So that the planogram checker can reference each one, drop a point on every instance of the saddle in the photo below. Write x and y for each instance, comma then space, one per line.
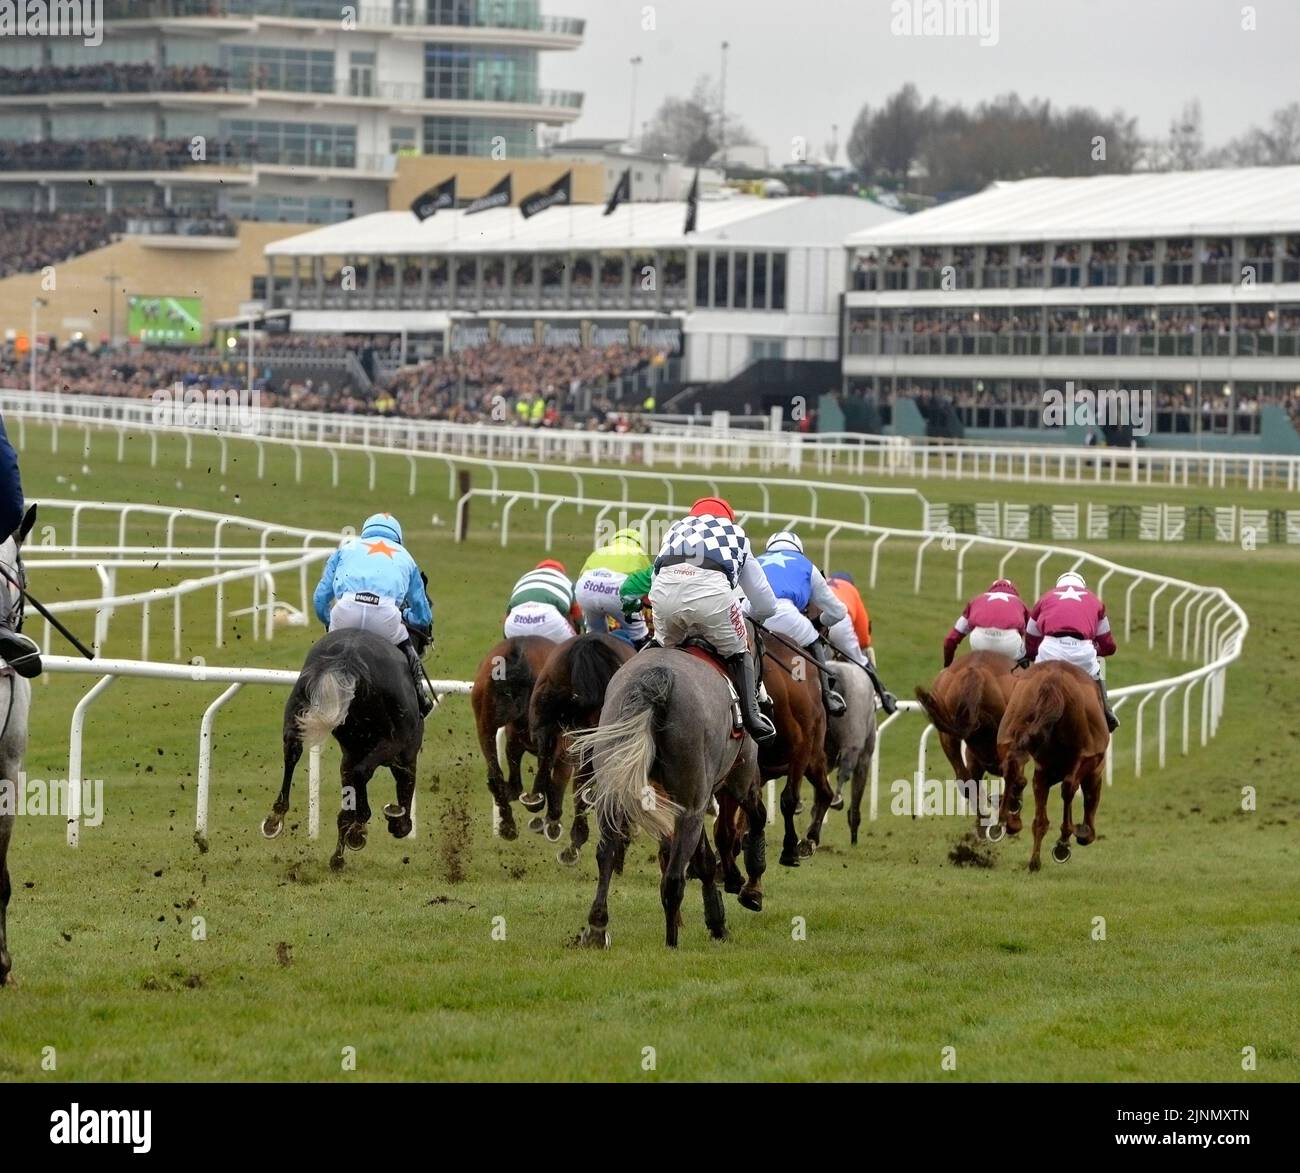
704, 651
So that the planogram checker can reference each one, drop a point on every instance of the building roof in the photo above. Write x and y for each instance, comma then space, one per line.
1104, 207
742, 220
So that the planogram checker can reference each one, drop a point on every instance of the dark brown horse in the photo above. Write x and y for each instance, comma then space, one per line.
965, 704
503, 687
1055, 717
568, 695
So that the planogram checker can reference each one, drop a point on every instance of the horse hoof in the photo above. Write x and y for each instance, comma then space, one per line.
552, 832
788, 861
752, 900
996, 833
272, 827
356, 837
532, 802
336, 862
732, 885
1082, 839
807, 848
1035, 863
508, 831
1061, 853
393, 811
568, 857
837, 803
595, 938
1014, 808
535, 824
399, 828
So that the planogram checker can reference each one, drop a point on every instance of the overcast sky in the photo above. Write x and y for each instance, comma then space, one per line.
797, 66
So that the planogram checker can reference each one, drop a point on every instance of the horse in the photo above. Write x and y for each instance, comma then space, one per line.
357, 686
664, 746
965, 704
568, 695
851, 738
17, 702
499, 698
1055, 717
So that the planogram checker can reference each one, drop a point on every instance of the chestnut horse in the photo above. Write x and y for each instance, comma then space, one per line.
502, 689
965, 704
1055, 717
568, 695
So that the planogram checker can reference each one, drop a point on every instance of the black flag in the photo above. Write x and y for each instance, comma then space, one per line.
499, 197
438, 197
560, 192
622, 193
692, 204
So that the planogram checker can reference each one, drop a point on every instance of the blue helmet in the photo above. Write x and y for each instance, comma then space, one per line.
382, 525
844, 576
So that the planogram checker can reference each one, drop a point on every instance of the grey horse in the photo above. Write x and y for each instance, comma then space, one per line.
851, 738
663, 747
15, 705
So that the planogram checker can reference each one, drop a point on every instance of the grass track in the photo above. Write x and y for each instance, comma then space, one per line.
904, 955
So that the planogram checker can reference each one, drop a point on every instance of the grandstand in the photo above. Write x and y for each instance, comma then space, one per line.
960, 318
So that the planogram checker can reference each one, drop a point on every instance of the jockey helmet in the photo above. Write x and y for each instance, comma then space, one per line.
784, 538
382, 525
714, 506
844, 576
1006, 586
630, 536
1072, 578
550, 564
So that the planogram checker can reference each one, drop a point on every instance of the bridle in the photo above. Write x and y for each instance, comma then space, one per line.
15, 576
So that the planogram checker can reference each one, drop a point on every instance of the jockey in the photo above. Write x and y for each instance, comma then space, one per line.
704, 558
796, 582
634, 597
374, 584
851, 636
542, 604
600, 584
1069, 623
995, 621
20, 652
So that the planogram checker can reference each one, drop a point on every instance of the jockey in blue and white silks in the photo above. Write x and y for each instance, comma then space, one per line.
20, 652
796, 582
374, 584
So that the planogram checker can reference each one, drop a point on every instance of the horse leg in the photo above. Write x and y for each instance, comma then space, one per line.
273, 824
1061, 851
487, 743
680, 851
751, 895
860, 769
1092, 785
724, 834
579, 832
354, 812
8, 791
790, 800
1013, 786
558, 774
399, 816
1040, 817
608, 856
715, 914
822, 795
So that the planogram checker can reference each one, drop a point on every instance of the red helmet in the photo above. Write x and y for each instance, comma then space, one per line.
550, 564
713, 505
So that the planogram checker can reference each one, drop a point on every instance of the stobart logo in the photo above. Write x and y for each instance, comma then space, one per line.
53, 18
945, 18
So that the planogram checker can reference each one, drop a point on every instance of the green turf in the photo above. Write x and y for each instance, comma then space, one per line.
904, 955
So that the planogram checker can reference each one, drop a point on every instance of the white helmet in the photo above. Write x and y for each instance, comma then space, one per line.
1072, 578
784, 537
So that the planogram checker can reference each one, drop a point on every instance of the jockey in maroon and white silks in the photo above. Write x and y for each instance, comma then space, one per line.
996, 621
1069, 623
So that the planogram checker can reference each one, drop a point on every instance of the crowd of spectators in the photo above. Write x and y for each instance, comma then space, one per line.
33, 240
111, 78
124, 153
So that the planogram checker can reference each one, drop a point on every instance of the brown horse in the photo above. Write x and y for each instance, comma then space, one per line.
965, 704
568, 695
503, 686
1055, 717
797, 751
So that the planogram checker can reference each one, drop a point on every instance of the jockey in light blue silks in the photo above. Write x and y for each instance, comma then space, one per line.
374, 584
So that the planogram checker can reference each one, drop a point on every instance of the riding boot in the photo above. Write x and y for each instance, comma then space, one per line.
1112, 721
830, 698
646, 641
423, 698
20, 652
741, 669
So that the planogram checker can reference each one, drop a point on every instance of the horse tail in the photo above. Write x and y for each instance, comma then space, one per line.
592, 664
623, 752
961, 717
329, 690
511, 691
1048, 709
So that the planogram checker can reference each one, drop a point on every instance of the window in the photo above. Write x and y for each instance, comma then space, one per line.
476, 73
778, 281
759, 301
476, 136
401, 140
761, 348
702, 278
740, 281
288, 70
721, 280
